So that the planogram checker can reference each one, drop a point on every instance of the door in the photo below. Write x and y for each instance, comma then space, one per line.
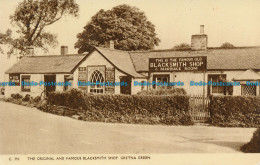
125, 89
50, 80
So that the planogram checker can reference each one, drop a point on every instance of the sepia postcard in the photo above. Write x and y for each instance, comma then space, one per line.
132, 82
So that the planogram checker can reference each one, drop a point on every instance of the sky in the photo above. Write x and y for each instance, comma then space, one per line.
234, 21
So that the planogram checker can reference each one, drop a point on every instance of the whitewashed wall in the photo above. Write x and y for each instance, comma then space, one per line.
35, 90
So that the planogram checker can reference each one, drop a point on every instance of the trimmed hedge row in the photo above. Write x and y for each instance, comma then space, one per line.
235, 111
172, 91
170, 110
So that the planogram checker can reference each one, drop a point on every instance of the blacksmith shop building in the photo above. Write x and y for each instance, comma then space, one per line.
110, 65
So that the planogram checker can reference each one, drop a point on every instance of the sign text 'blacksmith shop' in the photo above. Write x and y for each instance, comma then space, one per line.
178, 64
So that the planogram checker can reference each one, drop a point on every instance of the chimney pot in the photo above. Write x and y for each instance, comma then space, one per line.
111, 44
199, 41
30, 51
64, 50
201, 29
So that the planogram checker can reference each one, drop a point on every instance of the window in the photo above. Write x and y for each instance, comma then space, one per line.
161, 79
217, 89
248, 90
96, 79
15, 78
26, 85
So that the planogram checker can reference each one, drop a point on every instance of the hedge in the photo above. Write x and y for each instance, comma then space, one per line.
254, 145
235, 111
169, 110
172, 91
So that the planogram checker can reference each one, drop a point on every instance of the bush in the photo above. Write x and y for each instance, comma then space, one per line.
26, 98
145, 109
16, 96
37, 99
173, 91
73, 98
235, 111
254, 145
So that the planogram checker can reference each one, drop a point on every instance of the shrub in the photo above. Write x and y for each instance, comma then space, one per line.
145, 109
26, 98
173, 91
16, 96
235, 111
254, 145
73, 98
37, 99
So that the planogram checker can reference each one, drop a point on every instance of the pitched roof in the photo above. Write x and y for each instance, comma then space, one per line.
121, 60
217, 59
248, 75
46, 64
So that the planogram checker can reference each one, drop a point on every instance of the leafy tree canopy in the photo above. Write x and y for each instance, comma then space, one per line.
182, 46
227, 45
33, 16
127, 26
5, 38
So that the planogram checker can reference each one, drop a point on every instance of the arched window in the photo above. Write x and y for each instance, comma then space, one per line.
97, 78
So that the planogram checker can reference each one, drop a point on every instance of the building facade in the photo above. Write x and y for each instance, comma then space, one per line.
125, 68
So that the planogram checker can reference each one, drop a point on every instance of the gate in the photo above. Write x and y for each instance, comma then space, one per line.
199, 108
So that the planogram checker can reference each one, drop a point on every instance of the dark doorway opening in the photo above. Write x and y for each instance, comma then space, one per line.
50, 87
125, 89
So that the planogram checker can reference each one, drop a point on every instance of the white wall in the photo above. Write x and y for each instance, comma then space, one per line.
186, 77
35, 90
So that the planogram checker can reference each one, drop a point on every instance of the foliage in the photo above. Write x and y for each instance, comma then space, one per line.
5, 38
182, 46
33, 16
170, 110
26, 98
37, 99
227, 45
16, 96
254, 145
173, 91
127, 26
235, 111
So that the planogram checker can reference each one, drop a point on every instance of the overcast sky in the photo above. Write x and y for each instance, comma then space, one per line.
234, 21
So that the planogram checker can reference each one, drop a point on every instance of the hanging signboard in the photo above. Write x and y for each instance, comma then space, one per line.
110, 77
178, 64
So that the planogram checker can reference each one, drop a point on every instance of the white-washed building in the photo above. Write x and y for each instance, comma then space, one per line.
110, 65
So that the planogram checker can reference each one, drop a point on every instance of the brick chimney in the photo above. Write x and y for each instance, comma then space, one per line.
110, 44
30, 51
199, 41
64, 50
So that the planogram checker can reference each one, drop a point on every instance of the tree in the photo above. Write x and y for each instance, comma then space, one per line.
33, 16
182, 46
227, 45
127, 26
5, 38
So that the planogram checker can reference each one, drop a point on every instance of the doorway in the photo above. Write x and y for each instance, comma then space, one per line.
50, 87
125, 89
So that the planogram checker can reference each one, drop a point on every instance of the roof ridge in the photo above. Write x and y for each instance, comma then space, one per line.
56, 55
174, 50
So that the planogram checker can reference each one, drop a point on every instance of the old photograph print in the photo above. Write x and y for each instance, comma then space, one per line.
130, 78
